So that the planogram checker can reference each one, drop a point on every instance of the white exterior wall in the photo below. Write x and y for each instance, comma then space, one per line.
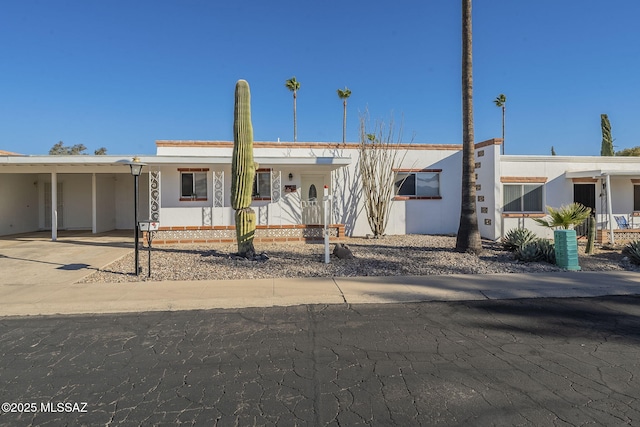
209, 150
75, 198
410, 216
430, 216
440, 216
174, 212
124, 199
170, 186
76, 201
558, 189
487, 190
18, 203
105, 202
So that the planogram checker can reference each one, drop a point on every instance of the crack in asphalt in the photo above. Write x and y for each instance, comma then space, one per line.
516, 362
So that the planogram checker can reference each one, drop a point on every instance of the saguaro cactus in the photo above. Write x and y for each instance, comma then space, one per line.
243, 171
591, 234
607, 142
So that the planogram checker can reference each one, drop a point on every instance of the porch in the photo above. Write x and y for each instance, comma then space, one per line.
618, 216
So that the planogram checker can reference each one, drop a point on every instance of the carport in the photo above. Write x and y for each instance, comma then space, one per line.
67, 192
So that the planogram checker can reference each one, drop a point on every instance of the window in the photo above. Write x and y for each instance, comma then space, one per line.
313, 193
262, 185
636, 197
193, 186
418, 184
522, 197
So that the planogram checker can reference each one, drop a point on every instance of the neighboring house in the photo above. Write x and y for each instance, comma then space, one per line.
186, 188
513, 190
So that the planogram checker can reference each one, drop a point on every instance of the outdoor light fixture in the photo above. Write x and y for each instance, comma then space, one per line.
136, 169
136, 166
290, 176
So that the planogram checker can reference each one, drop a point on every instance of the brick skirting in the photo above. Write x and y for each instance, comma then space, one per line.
227, 234
620, 235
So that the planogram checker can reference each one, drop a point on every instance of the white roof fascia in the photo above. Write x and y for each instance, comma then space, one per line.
600, 173
584, 174
326, 162
330, 162
571, 159
82, 160
62, 160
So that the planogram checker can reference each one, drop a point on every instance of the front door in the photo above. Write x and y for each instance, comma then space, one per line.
584, 194
311, 195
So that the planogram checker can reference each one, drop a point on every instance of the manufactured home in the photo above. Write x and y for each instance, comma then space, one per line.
186, 185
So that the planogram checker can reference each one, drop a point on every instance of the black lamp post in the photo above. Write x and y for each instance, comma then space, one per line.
136, 169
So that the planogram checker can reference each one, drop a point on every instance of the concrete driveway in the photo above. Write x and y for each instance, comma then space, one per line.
33, 259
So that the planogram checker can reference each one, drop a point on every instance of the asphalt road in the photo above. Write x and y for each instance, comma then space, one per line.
512, 362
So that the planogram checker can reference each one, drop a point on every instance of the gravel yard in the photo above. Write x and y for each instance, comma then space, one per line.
390, 256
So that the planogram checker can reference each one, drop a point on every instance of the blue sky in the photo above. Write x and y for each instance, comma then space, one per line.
123, 74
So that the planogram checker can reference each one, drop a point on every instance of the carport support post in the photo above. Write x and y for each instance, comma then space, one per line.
54, 206
325, 205
135, 218
94, 219
611, 238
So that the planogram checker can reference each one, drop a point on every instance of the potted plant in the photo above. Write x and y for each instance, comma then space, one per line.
563, 220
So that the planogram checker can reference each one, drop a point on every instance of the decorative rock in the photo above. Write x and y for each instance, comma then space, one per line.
405, 255
342, 251
257, 257
260, 257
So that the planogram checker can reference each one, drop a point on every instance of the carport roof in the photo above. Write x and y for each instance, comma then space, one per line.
327, 163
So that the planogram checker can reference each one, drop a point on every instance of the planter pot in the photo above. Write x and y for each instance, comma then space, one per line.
566, 245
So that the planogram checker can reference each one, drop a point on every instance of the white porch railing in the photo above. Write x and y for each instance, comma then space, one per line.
311, 212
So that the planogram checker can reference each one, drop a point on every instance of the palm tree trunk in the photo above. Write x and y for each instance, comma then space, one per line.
344, 122
468, 239
503, 110
295, 118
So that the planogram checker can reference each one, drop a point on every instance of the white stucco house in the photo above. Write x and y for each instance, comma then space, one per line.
185, 186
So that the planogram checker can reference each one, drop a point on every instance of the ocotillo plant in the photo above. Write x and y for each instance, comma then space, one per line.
243, 171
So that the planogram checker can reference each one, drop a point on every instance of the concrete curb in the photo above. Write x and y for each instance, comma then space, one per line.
90, 298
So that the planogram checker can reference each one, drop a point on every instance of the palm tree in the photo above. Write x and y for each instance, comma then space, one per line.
468, 239
293, 85
344, 94
501, 101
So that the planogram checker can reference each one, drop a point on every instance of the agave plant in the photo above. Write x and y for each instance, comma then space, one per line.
528, 252
547, 250
632, 250
566, 217
516, 238
536, 250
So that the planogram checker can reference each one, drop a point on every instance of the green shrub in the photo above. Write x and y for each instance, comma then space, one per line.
632, 250
517, 238
536, 250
